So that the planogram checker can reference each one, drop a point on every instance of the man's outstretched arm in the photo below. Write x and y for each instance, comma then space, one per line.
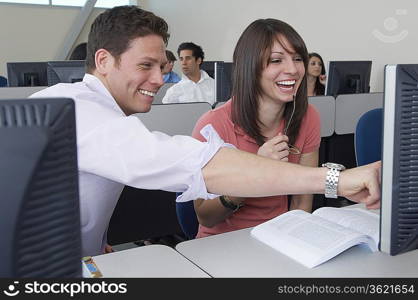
242, 174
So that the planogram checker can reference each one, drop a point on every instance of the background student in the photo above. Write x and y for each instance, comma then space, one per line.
195, 85
316, 75
79, 52
169, 76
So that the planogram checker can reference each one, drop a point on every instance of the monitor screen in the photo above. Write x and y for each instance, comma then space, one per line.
222, 73
348, 77
27, 74
67, 71
209, 67
223, 81
399, 201
39, 207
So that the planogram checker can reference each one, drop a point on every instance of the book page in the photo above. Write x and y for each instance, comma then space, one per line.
307, 238
358, 219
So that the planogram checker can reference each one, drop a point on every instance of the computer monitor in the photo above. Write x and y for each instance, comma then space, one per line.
348, 77
67, 71
222, 73
209, 67
223, 81
399, 201
39, 207
27, 74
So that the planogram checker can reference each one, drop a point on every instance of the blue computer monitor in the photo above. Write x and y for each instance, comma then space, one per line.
67, 71
399, 203
27, 74
348, 77
39, 207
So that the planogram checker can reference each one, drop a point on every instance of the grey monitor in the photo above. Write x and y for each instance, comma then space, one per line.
27, 74
399, 204
68, 71
39, 207
348, 77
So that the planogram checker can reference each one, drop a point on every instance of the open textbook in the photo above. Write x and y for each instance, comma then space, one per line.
312, 239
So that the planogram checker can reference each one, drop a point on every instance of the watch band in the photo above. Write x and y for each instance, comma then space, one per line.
331, 181
226, 202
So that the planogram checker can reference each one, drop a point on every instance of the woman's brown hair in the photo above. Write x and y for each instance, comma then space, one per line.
250, 58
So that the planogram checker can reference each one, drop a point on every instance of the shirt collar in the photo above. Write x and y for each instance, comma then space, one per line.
203, 76
95, 84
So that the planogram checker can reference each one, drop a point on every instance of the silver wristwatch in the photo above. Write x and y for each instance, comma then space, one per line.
331, 181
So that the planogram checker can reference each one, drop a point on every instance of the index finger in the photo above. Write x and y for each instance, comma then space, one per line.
278, 139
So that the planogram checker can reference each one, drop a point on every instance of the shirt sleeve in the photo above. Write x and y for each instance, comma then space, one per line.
148, 160
169, 96
312, 127
214, 120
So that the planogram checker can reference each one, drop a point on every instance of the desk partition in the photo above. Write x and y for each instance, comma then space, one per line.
349, 109
177, 118
19, 92
326, 108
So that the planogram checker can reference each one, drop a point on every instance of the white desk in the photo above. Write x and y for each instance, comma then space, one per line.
237, 254
147, 261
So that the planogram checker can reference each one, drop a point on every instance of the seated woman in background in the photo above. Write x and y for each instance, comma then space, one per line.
268, 114
316, 75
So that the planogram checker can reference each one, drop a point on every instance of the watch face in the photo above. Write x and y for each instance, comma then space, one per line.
334, 166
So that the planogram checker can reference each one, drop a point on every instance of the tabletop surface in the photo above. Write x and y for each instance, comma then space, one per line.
147, 261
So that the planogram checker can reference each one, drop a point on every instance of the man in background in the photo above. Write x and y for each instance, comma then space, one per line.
195, 85
169, 75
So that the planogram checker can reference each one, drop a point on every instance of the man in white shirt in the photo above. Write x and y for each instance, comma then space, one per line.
124, 65
195, 84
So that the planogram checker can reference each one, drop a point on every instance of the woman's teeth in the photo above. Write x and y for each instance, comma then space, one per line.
286, 82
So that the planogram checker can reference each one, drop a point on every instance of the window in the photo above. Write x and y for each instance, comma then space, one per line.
99, 3
45, 2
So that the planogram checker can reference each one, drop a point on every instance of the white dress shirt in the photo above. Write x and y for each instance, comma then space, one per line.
187, 90
115, 150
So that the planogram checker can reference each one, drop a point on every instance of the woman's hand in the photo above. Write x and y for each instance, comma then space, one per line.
323, 79
276, 148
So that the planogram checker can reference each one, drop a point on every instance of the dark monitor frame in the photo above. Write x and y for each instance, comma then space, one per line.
27, 74
39, 207
66, 71
348, 77
399, 182
221, 72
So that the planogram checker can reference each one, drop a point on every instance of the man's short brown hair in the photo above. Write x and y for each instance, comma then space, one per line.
115, 28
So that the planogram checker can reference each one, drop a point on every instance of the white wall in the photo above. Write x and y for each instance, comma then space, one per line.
338, 30
36, 33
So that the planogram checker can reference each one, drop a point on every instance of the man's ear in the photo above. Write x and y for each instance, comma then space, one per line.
103, 60
199, 61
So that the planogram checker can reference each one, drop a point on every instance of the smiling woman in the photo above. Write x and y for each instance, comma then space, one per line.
269, 115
